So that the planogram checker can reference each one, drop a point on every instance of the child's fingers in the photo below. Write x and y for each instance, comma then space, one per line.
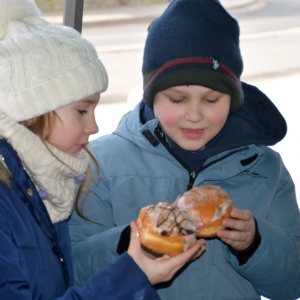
200, 250
234, 224
134, 238
241, 214
229, 235
176, 262
239, 224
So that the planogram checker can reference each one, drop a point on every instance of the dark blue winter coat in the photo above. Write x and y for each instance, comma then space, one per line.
35, 255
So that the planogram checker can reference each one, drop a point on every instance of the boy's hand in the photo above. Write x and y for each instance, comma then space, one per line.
242, 229
163, 268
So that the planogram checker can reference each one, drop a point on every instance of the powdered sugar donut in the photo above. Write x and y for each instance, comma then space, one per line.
208, 204
166, 229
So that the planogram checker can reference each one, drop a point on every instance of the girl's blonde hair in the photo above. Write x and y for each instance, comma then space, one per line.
42, 126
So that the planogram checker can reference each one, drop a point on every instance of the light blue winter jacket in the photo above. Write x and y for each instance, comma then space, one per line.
137, 170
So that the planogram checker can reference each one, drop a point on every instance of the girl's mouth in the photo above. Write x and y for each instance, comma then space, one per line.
80, 146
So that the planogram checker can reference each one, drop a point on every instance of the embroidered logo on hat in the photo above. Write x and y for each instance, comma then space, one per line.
215, 63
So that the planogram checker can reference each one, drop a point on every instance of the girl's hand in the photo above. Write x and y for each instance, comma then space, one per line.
163, 268
242, 229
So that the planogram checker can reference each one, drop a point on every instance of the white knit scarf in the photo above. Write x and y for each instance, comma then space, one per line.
53, 175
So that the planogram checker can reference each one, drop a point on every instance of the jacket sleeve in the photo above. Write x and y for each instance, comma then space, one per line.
94, 241
111, 284
278, 254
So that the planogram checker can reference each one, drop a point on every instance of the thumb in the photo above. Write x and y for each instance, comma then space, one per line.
177, 199
176, 262
135, 242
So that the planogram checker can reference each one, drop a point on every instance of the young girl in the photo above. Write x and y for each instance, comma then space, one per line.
198, 125
50, 84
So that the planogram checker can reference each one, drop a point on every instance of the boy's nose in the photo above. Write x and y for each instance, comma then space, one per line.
194, 114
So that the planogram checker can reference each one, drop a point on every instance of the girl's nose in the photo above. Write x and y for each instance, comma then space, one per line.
92, 128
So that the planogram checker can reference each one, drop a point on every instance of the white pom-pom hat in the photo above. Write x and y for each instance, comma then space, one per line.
43, 66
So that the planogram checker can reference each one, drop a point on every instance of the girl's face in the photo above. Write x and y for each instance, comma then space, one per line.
75, 123
191, 115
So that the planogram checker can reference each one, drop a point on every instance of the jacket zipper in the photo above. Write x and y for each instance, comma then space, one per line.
192, 174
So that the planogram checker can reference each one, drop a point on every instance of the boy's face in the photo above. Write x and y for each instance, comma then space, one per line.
191, 115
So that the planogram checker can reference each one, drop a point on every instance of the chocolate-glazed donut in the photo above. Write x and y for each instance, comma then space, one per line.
166, 229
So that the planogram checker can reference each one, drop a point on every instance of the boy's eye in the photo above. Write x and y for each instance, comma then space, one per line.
211, 100
82, 111
176, 100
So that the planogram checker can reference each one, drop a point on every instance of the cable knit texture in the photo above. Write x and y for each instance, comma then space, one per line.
55, 175
43, 66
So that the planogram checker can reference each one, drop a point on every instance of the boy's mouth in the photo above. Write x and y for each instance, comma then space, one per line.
192, 130
192, 133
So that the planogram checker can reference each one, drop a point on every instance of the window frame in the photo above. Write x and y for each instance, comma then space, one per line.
73, 14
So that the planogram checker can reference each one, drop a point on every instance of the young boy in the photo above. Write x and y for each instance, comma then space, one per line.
198, 125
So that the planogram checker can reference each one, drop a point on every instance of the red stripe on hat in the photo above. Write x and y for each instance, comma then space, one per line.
227, 70
191, 60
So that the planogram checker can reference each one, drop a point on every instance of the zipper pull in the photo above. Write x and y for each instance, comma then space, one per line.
193, 175
192, 180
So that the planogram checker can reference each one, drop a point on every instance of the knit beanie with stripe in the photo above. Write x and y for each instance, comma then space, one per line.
194, 42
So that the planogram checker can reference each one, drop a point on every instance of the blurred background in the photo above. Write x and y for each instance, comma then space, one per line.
58, 5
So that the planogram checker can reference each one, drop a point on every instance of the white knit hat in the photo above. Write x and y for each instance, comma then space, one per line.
43, 66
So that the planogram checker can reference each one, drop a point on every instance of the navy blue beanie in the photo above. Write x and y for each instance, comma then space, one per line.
194, 42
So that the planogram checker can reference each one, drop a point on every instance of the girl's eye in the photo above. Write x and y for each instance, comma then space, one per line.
82, 111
